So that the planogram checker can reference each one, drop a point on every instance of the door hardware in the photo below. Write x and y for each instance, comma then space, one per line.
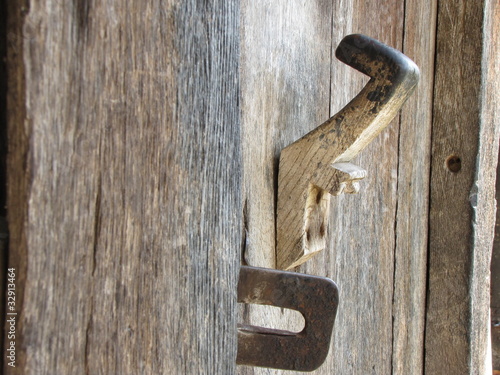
319, 164
315, 297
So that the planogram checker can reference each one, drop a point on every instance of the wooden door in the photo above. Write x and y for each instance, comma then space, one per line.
124, 186
143, 145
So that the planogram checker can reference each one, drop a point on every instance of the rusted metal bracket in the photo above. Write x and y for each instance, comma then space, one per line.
318, 164
315, 297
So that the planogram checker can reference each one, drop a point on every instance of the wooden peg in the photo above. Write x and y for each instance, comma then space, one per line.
318, 165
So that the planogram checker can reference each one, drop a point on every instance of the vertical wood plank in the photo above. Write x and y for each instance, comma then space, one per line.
464, 156
489, 135
410, 274
285, 79
364, 329
4, 233
124, 191
360, 255
17, 183
495, 286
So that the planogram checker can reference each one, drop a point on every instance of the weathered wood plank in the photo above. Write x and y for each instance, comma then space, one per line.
488, 154
410, 273
124, 202
495, 286
464, 156
285, 78
366, 276
3, 162
491, 115
17, 183
360, 255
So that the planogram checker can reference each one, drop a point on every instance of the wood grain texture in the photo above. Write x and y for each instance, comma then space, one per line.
489, 135
364, 269
4, 232
410, 264
464, 156
360, 255
491, 100
126, 208
17, 183
495, 286
124, 190
285, 88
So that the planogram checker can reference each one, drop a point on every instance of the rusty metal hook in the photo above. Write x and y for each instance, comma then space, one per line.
318, 164
311, 169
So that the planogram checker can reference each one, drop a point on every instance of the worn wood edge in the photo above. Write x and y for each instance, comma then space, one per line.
484, 212
4, 233
495, 285
18, 131
491, 101
410, 258
456, 268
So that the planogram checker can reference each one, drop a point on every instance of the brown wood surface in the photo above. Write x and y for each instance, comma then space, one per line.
464, 156
379, 238
124, 190
128, 136
4, 233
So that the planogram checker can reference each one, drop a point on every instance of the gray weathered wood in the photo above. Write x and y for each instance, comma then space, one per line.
126, 209
285, 79
410, 263
464, 157
491, 115
360, 255
364, 271
124, 188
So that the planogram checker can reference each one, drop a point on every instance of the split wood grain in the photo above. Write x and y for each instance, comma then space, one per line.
495, 285
413, 174
124, 192
285, 86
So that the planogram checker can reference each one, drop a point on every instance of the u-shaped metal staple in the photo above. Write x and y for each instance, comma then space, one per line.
315, 297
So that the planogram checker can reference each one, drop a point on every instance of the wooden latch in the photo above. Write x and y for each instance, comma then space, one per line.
319, 164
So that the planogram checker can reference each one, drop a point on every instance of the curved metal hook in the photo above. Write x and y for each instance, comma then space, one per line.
319, 162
